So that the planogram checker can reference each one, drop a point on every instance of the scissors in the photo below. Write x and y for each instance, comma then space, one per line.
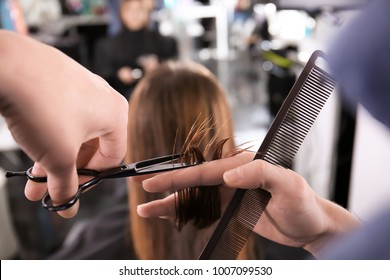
153, 165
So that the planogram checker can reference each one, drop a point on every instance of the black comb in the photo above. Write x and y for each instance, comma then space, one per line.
287, 132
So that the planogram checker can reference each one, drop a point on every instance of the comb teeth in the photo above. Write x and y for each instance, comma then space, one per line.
299, 118
287, 132
245, 218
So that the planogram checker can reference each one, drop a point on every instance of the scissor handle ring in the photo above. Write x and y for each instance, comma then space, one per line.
37, 179
48, 204
46, 200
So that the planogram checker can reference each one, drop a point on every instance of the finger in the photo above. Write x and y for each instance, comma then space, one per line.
158, 208
140, 178
62, 187
165, 208
35, 191
206, 174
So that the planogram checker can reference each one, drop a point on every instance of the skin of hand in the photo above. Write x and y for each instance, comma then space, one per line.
295, 216
63, 116
148, 62
125, 75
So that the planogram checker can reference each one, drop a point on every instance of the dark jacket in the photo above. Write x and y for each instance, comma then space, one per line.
124, 49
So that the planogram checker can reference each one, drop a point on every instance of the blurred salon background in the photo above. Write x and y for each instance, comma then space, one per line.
256, 49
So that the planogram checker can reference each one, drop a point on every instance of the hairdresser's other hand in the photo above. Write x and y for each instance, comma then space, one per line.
63, 116
295, 216
125, 75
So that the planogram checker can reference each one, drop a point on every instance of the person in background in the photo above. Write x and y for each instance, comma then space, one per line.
163, 109
124, 58
49, 114
12, 16
114, 24
243, 10
296, 215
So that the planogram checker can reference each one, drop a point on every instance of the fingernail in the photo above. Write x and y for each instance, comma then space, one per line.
231, 176
139, 210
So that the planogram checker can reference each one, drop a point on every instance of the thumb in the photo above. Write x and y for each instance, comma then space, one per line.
245, 176
261, 174
112, 138
255, 174
111, 150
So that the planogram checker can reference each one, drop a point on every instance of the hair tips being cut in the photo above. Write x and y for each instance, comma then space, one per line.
201, 206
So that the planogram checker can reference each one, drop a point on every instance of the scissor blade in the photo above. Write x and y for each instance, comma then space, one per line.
162, 167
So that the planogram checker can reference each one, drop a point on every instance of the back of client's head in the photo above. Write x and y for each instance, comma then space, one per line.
164, 107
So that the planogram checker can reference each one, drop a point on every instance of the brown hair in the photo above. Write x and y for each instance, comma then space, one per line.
163, 108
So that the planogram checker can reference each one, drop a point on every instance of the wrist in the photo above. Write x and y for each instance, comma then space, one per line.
337, 219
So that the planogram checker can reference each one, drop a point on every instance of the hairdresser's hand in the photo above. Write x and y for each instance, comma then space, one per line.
295, 215
63, 116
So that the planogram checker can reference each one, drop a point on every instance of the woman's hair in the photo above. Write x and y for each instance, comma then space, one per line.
164, 109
